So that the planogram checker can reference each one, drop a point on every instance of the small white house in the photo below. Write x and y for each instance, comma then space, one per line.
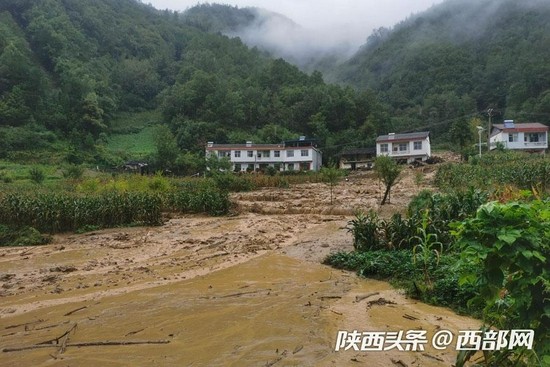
293, 155
530, 137
406, 147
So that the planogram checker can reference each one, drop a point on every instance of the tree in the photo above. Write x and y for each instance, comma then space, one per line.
166, 146
331, 176
387, 171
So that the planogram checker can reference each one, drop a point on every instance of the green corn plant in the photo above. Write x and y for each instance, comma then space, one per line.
427, 248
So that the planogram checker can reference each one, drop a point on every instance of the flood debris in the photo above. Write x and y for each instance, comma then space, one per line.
75, 310
399, 363
297, 349
365, 296
380, 302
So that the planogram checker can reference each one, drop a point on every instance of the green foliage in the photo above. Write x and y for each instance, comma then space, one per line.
21, 236
216, 166
364, 229
51, 212
511, 244
166, 147
73, 172
387, 171
199, 197
495, 170
428, 246
230, 182
439, 67
455, 205
36, 175
399, 267
331, 176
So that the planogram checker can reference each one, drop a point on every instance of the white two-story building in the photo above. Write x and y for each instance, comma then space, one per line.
405, 147
293, 155
530, 137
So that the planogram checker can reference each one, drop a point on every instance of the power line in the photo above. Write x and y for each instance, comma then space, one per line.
415, 129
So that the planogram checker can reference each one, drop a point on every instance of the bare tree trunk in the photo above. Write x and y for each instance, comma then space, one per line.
386, 194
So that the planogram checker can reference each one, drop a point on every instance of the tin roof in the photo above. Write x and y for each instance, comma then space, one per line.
403, 137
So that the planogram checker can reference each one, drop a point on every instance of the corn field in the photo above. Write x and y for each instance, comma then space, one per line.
65, 212
58, 212
523, 172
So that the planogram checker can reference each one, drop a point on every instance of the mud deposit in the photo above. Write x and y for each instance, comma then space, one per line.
247, 290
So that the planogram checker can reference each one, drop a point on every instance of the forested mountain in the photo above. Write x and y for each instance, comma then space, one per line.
68, 67
458, 58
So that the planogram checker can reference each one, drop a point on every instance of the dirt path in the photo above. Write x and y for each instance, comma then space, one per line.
247, 290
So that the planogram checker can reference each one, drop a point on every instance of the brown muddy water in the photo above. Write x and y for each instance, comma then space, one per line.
247, 290
271, 310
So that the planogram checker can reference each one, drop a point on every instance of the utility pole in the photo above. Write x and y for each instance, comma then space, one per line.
490, 113
480, 131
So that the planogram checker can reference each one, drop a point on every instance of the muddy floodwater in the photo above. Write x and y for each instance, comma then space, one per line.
245, 290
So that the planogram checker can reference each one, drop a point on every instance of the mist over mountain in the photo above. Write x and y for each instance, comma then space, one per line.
276, 34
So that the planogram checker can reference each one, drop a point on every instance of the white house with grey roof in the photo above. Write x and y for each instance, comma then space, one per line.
292, 155
405, 147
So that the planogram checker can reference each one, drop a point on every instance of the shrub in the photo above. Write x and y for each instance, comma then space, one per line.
23, 236
399, 266
36, 175
511, 244
73, 172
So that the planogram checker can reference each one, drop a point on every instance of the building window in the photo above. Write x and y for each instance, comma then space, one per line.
304, 166
403, 147
250, 154
277, 153
290, 153
305, 153
291, 165
264, 153
531, 138
222, 154
238, 167
512, 138
237, 154
383, 148
250, 167
417, 145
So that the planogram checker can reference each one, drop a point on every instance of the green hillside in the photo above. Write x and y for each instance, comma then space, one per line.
68, 68
458, 58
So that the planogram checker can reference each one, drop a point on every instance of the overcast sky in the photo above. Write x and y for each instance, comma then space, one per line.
357, 17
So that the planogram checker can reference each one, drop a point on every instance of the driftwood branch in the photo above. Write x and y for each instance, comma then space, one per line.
88, 344
55, 341
365, 296
76, 310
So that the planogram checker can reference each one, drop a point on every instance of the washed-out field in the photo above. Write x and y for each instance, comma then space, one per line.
243, 290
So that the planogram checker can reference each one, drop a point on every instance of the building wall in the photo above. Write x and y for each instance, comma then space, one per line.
519, 140
313, 159
410, 153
